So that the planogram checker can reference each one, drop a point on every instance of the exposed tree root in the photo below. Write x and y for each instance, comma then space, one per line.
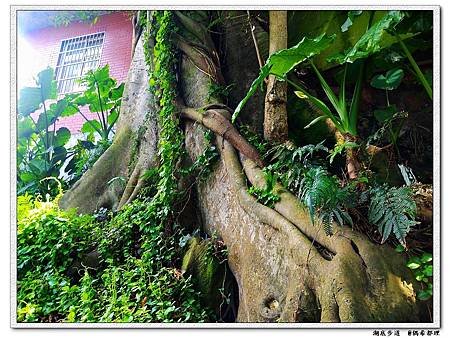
134, 184
218, 120
93, 190
356, 285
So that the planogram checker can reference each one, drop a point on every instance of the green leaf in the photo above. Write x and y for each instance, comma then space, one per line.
339, 147
392, 208
415, 22
102, 74
285, 60
313, 122
47, 84
25, 127
413, 263
424, 294
282, 62
391, 80
428, 271
385, 229
383, 115
112, 117
426, 257
42, 122
116, 93
62, 137
350, 18
59, 155
319, 105
69, 110
264, 72
90, 126
27, 176
341, 110
399, 249
371, 41
37, 166
29, 100
56, 109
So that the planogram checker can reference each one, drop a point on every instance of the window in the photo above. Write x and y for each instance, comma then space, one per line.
76, 57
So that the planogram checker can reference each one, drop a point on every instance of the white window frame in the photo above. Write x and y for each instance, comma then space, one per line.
60, 66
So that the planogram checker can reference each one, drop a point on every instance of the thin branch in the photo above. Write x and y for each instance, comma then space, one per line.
255, 42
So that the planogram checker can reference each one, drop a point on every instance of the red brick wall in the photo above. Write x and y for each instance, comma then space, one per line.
116, 50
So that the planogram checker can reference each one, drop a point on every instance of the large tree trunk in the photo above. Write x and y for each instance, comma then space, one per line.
287, 269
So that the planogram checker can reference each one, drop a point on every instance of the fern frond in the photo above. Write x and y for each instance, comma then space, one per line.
392, 210
321, 192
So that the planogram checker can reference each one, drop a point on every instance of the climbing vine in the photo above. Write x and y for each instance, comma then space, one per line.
162, 82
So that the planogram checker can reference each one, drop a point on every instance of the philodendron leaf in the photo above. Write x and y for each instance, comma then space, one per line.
29, 100
25, 127
350, 18
282, 62
285, 60
91, 126
116, 93
45, 80
391, 80
57, 109
112, 117
383, 115
415, 22
370, 42
62, 137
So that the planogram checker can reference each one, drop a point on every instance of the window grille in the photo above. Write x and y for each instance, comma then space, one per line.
76, 57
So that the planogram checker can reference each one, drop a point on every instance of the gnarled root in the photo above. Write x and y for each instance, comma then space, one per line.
362, 282
289, 270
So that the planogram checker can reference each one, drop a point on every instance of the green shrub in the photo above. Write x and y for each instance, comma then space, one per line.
134, 280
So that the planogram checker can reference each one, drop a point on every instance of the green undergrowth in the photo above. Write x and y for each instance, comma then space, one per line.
77, 269
330, 198
124, 266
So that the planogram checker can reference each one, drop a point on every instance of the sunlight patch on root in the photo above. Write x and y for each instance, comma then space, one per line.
134, 185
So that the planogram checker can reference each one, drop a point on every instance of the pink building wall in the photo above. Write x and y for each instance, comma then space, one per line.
116, 50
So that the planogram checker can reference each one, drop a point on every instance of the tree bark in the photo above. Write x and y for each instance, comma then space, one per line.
275, 113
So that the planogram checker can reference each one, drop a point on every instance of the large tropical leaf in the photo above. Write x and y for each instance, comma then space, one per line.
391, 80
47, 84
116, 93
29, 100
25, 127
415, 22
282, 62
58, 108
373, 40
62, 137
91, 126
